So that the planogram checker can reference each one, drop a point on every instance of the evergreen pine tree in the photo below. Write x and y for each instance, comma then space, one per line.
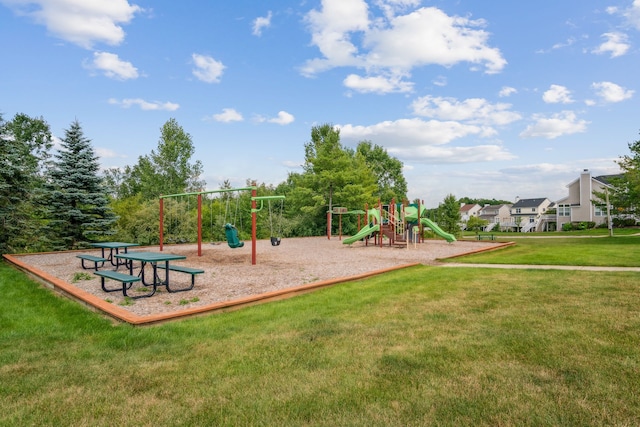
79, 207
24, 145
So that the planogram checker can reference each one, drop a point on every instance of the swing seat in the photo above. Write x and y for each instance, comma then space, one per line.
275, 241
232, 236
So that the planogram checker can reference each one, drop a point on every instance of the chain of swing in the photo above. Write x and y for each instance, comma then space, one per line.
276, 239
179, 221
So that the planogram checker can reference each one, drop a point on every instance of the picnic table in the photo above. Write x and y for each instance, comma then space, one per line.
114, 249
485, 236
152, 258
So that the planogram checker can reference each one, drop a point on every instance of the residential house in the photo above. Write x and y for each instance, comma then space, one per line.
529, 215
581, 205
497, 216
468, 210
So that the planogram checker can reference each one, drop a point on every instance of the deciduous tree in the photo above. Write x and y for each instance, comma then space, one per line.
626, 192
333, 176
166, 170
449, 215
387, 170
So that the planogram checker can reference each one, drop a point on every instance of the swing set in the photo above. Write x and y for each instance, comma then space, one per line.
231, 232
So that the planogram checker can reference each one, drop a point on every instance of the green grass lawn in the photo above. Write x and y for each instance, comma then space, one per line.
593, 232
618, 251
422, 346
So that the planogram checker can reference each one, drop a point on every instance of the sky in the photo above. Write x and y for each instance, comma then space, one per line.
485, 99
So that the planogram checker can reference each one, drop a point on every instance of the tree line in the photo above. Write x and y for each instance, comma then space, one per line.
59, 199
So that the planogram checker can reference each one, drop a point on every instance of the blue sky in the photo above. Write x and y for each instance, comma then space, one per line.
495, 99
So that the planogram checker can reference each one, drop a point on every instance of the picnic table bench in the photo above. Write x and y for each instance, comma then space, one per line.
126, 279
184, 269
95, 259
114, 249
157, 260
486, 236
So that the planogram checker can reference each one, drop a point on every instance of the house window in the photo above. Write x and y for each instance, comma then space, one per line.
600, 210
564, 210
533, 209
518, 210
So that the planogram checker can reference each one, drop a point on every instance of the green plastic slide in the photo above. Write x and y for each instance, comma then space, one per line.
436, 229
364, 232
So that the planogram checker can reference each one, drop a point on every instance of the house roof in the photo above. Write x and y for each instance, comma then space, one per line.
606, 179
493, 207
468, 207
529, 203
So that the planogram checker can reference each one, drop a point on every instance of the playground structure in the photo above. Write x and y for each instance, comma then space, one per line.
340, 211
231, 232
400, 224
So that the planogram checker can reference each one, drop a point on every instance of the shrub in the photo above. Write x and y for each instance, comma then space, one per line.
623, 222
582, 225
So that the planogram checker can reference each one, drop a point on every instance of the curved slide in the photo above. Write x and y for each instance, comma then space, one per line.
364, 232
439, 231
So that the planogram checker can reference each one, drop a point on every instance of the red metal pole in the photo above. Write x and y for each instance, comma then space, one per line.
161, 222
199, 224
366, 218
380, 232
393, 224
420, 238
254, 194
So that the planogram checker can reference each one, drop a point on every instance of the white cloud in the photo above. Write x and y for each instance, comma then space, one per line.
616, 44
417, 140
112, 66
378, 84
569, 42
83, 23
452, 154
559, 124
473, 110
451, 40
611, 92
260, 23
440, 81
145, 105
207, 69
557, 94
57, 143
106, 153
283, 118
228, 115
396, 43
330, 32
507, 91
631, 14
410, 132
